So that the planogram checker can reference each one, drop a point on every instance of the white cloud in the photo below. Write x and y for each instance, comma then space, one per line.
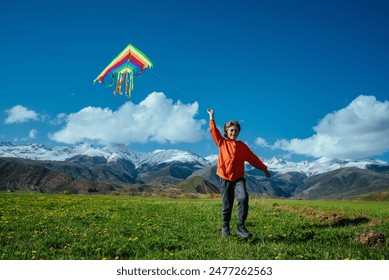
360, 130
261, 142
20, 114
59, 119
156, 119
33, 133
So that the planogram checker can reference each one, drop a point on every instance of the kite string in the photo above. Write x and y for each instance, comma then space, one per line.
172, 85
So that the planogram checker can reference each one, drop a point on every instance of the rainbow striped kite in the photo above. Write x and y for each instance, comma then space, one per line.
129, 62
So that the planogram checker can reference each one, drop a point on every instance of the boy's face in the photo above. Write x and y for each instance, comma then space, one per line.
232, 132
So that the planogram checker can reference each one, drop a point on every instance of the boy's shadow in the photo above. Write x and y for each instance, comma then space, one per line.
306, 233
344, 222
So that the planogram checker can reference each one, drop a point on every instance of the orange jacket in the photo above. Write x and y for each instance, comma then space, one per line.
232, 156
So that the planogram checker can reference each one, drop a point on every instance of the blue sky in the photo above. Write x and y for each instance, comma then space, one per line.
305, 79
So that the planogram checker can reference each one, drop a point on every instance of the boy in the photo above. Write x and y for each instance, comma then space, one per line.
230, 169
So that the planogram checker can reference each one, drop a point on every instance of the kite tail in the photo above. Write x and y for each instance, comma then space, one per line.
119, 81
132, 81
128, 92
129, 84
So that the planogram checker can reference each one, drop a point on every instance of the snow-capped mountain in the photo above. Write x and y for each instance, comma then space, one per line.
310, 168
110, 153
318, 166
169, 156
122, 152
113, 167
40, 152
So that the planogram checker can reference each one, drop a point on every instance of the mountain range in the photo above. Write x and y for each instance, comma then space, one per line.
85, 168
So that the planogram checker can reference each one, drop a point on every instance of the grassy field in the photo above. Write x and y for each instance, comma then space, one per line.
50, 227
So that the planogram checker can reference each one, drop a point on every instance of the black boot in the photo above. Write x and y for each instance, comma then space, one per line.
243, 232
226, 231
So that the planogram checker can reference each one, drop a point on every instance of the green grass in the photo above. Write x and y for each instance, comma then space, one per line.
49, 227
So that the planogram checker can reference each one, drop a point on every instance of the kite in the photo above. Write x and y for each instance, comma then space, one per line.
129, 62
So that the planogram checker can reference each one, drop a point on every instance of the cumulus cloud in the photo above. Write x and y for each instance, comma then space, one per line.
156, 119
358, 131
20, 114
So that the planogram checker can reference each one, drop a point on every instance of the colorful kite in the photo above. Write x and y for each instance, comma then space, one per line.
129, 62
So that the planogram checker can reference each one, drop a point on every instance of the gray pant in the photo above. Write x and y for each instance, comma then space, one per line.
229, 190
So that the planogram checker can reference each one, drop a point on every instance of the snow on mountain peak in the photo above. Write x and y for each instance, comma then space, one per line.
318, 166
110, 153
212, 159
6, 143
172, 155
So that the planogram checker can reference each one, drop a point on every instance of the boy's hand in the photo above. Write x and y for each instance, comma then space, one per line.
267, 173
210, 112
